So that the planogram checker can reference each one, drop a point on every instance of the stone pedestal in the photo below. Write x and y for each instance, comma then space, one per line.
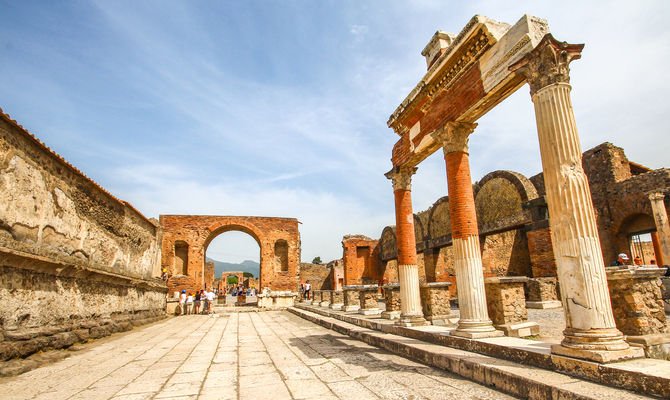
351, 300
336, 300
543, 293
241, 299
590, 329
506, 302
639, 309
392, 298
325, 298
221, 299
316, 297
368, 299
276, 300
435, 302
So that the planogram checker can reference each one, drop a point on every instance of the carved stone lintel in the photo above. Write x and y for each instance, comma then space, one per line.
548, 63
401, 177
454, 136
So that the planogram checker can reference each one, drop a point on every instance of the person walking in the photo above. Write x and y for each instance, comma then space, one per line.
308, 290
189, 303
210, 300
182, 303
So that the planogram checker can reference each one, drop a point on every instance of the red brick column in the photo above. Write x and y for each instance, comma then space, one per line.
408, 271
474, 320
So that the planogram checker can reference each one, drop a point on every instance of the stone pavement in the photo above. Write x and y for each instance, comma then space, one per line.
265, 355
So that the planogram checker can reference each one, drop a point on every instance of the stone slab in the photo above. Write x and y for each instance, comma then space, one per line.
544, 304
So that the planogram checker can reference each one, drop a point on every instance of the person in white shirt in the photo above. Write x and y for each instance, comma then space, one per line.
182, 302
210, 299
308, 290
189, 303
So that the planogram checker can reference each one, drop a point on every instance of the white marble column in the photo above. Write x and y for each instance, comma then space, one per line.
474, 319
662, 224
590, 331
408, 272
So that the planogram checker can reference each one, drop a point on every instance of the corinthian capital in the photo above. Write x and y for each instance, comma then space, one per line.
401, 177
548, 63
453, 136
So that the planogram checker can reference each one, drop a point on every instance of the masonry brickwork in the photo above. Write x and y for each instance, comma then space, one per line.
361, 260
75, 261
186, 237
318, 275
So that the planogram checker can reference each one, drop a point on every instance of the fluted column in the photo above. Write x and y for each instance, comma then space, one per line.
662, 225
474, 319
411, 313
590, 328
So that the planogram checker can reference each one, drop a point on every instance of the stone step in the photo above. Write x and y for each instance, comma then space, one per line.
515, 378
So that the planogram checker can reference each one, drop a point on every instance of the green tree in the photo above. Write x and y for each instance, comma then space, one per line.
316, 260
248, 275
232, 280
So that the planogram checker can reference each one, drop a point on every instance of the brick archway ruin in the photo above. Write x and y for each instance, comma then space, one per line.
186, 238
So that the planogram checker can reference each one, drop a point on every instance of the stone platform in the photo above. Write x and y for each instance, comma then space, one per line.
522, 365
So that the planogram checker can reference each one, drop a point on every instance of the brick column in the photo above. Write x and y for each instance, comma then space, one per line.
408, 270
662, 225
658, 253
590, 329
474, 321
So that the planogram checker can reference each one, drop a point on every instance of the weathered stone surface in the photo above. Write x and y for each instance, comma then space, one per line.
352, 300
435, 302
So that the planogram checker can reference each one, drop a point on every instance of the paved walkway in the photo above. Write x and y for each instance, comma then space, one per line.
264, 355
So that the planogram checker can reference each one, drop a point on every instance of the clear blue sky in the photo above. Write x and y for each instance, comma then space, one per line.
279, 108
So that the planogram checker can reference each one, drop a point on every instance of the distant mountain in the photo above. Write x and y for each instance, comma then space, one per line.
249, 266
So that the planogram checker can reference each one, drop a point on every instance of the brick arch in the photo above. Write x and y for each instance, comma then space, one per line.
439, 222
523, 185
198, 231
388, 243
419, 232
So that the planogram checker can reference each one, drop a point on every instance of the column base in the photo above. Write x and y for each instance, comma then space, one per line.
369, 311
336, 306
608, 339
599, 356
441, 320
520, 329
411, 320
351, 308
543, 305
391, 314
476, 329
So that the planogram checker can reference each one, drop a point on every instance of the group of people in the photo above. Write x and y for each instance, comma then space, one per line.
190, 303
623, 259
240, 290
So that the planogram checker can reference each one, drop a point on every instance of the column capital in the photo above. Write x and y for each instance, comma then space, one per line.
548, 63
401, 177
453, 136
656, 196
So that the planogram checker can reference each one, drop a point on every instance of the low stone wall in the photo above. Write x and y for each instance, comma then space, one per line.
49, 305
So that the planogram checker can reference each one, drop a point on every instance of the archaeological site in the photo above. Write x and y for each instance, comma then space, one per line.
550, 286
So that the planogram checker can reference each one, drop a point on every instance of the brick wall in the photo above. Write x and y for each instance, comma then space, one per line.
318, 275
361, 260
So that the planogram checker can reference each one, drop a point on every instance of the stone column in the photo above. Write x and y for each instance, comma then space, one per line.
662, 225
474, 321
408, 270
658, 252
590, 329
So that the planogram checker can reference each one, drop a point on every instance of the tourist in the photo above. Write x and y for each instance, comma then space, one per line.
205, 299
164, 274
637, 261
308, 289
189, 303
198, 296
210, 300
621, 260
182, 302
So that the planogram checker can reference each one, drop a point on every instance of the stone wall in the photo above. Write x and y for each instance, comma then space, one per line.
361, 259
75, 262
318, 275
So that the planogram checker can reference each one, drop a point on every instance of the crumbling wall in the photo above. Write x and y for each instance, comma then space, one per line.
318, 275
75, 262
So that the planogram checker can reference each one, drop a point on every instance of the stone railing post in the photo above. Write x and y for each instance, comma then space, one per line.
368, 299
392, 298
639, 309
507, 305
325, 298
474, 321
590, 329
316, 297
435, 301
336, 300
351, 300
408, 270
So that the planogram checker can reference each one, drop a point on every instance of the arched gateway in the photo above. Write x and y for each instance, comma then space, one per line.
186, 237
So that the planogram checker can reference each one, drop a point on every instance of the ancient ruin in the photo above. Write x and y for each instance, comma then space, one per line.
78, 264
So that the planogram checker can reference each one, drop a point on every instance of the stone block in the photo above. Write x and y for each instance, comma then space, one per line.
325, 298
543, 293
336, 299
392, 300
368, 299
435, 302
351, 299
506, 301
